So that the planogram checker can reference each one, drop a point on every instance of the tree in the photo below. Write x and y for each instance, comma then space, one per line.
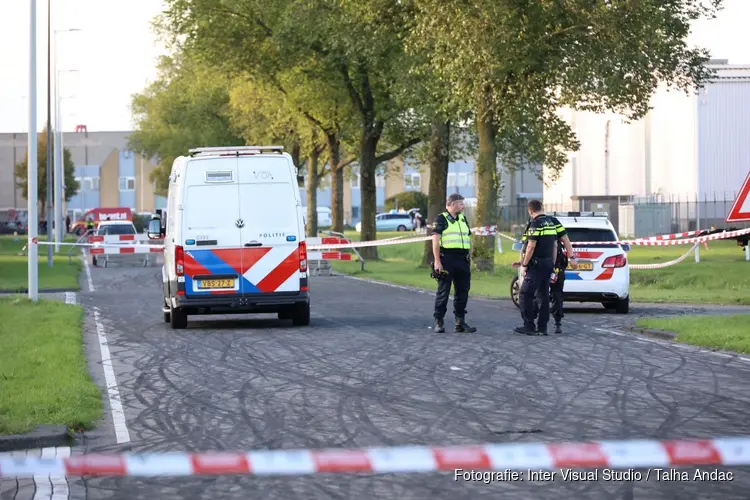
186, 107
71, 185
517, 63
346, 47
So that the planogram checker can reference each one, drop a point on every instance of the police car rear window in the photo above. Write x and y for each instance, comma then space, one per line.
580, 234
117, 229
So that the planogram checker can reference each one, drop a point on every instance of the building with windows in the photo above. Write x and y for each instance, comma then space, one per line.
109, 174
112, 176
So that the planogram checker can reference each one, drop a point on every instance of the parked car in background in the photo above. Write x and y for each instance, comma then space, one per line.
391, 222
325, 217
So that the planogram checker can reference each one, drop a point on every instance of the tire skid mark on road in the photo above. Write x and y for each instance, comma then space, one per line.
366, 373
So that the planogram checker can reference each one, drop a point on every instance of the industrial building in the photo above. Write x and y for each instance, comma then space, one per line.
677, 169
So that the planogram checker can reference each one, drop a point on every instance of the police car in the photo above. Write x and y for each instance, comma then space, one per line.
603, 274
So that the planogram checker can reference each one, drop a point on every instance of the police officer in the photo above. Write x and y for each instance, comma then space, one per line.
536, 269
564, 256
451, 247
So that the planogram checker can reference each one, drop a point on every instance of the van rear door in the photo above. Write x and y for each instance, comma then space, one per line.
211, 238
271, 234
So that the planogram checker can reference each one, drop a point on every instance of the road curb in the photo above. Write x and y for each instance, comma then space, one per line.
650, 332
44, 436
45, 290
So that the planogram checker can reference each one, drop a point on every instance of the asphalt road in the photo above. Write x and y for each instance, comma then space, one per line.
370, 372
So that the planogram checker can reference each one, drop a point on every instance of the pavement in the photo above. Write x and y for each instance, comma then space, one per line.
369, 371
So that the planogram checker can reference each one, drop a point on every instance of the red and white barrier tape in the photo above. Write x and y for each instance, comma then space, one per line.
685, 241
729, 451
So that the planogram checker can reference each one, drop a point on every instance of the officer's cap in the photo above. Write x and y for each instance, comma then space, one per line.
453, 197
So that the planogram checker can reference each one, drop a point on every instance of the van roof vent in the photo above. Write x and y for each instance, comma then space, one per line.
235, 150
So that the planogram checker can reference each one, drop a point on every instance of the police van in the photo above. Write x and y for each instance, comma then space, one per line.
603, 274
234, 239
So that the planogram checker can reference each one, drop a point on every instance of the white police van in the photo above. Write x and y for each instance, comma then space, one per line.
234, 239
603, 274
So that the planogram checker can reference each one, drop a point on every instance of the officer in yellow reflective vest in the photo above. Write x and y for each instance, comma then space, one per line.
451, 250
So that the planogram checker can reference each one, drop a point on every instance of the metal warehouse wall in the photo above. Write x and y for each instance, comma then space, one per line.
723, 137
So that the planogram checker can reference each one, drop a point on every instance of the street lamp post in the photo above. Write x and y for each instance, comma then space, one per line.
33, 262
50, 174
59, 151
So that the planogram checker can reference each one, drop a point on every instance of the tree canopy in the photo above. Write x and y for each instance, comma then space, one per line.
71, 185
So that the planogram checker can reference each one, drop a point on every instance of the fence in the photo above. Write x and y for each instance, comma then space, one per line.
634, 218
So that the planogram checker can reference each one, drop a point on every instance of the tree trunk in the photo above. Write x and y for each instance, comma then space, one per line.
312, 193
368, 209
439, 158
337, 182
483, 252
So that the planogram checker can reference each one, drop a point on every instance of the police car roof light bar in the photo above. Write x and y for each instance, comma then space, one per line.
235, 150
580, 214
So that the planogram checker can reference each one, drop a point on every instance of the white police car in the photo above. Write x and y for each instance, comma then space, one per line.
603, 274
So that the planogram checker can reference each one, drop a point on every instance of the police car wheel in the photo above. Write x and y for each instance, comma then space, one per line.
167, 317
515, 291
622, 306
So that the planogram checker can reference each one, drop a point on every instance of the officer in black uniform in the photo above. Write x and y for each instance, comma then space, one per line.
565, 255
451, 249
537, 267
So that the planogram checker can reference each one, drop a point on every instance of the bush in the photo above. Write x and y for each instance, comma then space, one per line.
408, 200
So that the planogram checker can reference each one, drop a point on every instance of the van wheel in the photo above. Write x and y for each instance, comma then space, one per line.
401, 228
622, 306
177, 319
301, 314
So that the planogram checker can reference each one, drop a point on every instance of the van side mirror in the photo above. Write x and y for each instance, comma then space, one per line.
517, 246
626, 248
301, 181
154, 229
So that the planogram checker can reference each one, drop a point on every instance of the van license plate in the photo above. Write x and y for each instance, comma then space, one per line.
226, 283
585, 266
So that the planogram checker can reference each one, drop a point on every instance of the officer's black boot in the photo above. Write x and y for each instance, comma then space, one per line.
463, 327
558, 327
438, 326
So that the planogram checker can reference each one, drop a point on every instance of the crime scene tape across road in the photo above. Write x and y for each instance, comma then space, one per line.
401, 241
727, 451
637, 242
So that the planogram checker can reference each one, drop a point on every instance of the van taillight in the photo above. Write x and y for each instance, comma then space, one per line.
303, 257
179, 261
615, 261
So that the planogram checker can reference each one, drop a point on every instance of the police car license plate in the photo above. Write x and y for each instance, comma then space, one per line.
223, 283
585, 266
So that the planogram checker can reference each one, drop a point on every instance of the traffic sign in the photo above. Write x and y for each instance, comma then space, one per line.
740, 211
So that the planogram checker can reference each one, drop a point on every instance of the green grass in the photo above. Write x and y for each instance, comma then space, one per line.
14, 267
722, 276
43, 373
730, 333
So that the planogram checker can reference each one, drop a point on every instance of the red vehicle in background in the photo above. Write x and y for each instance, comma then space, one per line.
100, 214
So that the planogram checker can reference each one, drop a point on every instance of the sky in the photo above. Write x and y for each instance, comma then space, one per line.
115, 52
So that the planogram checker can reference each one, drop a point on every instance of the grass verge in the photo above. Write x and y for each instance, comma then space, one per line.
731, 333
721, 277
43, 373
14, 267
